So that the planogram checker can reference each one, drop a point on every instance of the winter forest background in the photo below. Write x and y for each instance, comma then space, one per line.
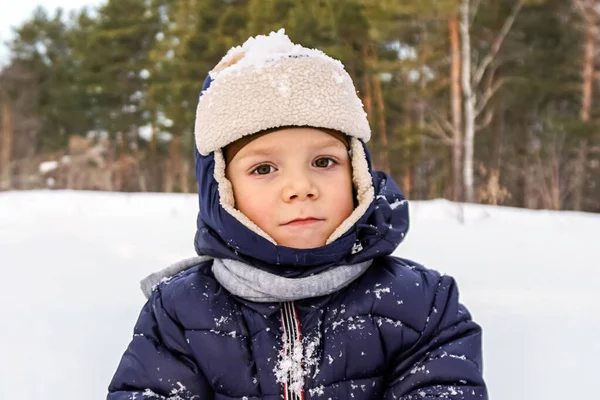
491, 101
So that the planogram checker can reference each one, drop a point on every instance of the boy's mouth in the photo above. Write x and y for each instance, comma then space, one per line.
302, 221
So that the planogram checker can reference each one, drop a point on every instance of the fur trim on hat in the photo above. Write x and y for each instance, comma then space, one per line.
270, 82
363, 184
227, 199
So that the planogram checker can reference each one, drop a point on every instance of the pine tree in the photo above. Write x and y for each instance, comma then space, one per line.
43, 46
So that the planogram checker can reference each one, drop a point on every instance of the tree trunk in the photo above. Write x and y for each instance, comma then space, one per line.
589, 49
154, 168
469, 100
184, 179
407, 152
383, 138
471, 80
580, 172
6, 137
367, 96
530, 198
173, 165
530, 184
456, 107
373, 96
498, 141
591, 32
555, 184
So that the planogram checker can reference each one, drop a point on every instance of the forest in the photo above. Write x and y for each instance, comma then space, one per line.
479, 101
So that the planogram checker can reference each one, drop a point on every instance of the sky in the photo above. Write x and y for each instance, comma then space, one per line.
21, 10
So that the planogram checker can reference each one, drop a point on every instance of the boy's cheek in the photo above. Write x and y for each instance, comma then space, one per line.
257, 211
343, 201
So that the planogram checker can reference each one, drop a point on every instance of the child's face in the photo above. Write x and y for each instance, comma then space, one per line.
295, 184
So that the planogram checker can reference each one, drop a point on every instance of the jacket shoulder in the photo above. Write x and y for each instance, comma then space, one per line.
400, 290
197, 301
179, 282
402, 275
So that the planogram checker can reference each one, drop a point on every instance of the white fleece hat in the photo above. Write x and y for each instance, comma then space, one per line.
270, 82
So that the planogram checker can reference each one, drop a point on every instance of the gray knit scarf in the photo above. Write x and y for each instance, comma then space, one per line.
253, 284
260, 286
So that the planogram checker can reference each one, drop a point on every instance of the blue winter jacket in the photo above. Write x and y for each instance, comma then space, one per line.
396, 332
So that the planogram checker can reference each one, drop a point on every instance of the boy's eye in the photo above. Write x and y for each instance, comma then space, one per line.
323, 162
263, 169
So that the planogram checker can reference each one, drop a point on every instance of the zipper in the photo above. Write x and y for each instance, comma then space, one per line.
292, 344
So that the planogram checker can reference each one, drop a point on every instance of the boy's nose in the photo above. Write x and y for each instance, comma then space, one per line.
299, 187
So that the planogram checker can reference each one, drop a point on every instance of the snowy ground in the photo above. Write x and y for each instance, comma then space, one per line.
70, 264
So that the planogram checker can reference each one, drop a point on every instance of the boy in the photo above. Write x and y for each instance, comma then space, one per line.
294, 294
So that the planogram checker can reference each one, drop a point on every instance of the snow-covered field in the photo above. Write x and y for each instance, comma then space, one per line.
70, 263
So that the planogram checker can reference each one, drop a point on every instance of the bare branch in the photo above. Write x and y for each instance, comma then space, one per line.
474, 11
584, 11
492, 74
439, 126
497, 43
580, 6
489, 116
443, 122
438, 131
489, 93
491, 79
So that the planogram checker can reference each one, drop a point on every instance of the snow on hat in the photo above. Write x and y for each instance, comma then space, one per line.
270, 82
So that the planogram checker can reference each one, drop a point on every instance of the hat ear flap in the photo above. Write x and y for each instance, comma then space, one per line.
362, 188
